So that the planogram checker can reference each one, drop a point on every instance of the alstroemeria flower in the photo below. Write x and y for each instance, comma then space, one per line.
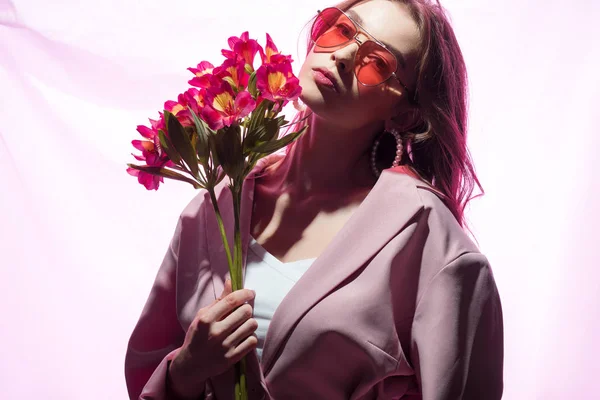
235, 70
177, 109
150, 181
152, 154
271, 55
159, 124
242, 48
203, 72
277, 82
223, 107
193, 98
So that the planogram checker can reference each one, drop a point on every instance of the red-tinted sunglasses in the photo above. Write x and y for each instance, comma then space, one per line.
374, 62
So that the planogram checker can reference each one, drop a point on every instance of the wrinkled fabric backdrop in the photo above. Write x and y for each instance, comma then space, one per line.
81, 240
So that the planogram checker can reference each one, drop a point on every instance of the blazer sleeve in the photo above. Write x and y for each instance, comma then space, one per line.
457, 344
158, 335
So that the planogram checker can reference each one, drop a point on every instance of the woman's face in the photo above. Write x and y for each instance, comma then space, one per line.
352, 104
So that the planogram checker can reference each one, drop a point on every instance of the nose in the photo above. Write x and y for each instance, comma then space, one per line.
345, 55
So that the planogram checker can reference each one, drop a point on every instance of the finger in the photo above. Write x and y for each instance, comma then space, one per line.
236, 317
215, 301
242, 349
225, 292
226, 289
241, 333
230, 322
230, 303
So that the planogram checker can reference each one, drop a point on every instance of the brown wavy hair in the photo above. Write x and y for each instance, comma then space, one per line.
437, 147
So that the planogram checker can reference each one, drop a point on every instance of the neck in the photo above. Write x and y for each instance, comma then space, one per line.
326, 160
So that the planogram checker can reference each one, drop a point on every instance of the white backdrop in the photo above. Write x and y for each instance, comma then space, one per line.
81, 240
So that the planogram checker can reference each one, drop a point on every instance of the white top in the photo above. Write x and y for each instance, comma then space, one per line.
271, 279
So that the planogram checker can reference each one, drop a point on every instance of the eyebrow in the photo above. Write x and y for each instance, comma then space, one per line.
361, 22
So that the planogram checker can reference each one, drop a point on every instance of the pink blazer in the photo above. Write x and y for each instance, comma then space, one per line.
400, 305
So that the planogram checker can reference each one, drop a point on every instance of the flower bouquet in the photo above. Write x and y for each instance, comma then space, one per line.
221, 127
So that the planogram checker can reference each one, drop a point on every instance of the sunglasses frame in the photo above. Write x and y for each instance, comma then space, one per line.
360, 29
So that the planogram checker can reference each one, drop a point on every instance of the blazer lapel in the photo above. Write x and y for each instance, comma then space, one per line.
388, 207
386, 210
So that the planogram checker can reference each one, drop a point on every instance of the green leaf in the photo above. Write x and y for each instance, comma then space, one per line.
258, 115
168, 147
252, 85
229, 80
254, 128
221, 176
253, 138
281, 120
212, 142
274, 145
271, 130
190, 130
228, 146
181, 142
202, 146
166, 173
264, 130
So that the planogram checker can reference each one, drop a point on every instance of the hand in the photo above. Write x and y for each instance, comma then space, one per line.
218, 337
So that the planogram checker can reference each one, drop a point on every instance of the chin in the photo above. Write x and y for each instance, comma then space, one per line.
313, 99
312, 96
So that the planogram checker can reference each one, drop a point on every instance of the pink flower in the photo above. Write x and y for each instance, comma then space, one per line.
193, 98
159, 124
223, 107
277, 82
242, 48
178, 109
202, 74
151, 182
235, 70
152, 153
272, 55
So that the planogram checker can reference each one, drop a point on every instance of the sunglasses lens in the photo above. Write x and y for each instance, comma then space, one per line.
374, 64
332, 28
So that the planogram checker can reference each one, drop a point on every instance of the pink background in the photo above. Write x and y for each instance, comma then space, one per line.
81, 241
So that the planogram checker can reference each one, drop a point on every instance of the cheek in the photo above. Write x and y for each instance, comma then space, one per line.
309, 88
375, 101
303, 74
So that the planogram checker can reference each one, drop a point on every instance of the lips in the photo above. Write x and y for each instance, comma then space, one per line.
326, 78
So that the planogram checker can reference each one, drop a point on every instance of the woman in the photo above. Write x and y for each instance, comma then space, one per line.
398, 303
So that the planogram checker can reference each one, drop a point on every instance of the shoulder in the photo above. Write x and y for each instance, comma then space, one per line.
443, 224
443, 239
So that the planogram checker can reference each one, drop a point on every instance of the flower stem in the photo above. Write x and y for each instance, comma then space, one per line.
213, 198
235, 272
236, 190
237, 237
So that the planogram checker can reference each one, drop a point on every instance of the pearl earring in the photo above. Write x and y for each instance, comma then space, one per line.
399, 150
